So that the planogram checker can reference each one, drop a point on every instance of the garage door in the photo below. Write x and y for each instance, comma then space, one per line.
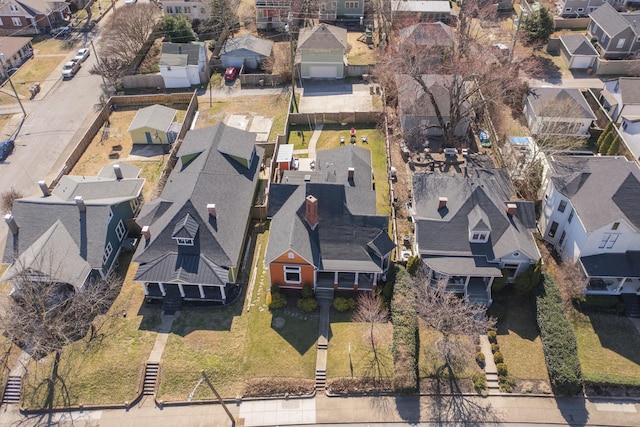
322, 72
581, 62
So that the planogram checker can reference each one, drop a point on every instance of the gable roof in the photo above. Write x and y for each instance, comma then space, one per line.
11, 45
550, 101
428, 34
413, 101
629, 90
249, 43
602, 189
37, 7
155, 117
609, 20
203, 175
322, 37
192, 50
478, 201
578, 44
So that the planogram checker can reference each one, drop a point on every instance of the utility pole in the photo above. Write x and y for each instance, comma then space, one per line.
2, 59
288, 28
213, 389
95, 52
515, 37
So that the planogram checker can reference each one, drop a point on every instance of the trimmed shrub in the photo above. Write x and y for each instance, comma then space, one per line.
494, 348
480, 359
307, 291
605, 144
340, 304
493, 337
507, 383
413, 265
614, 147
352, 303
278, 300
479, 382
502, 369
558, 339
405, 334
498, 357
307, 304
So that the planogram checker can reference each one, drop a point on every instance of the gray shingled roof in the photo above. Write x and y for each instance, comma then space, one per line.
569, 100
629, 90
428, 34
412, 99
202, 176
620, 264
155, 116
578, 44
322, 37
481, 197
192, 50
609, 19
249, 43
601, 189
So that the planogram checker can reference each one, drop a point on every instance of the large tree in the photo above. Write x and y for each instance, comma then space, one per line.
538, 26
224, 18
178, 29
370, 309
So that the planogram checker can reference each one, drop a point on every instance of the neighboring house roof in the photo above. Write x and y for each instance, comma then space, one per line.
578, 44
204, 174
44, 7
602, 189
413, 101
629, 90
173, 60
248, 43
11, 45
192, 50
609, 20
36, 215
428, 34
155, 117
322, 37
477, 202
619, 264
428, 6
553, 101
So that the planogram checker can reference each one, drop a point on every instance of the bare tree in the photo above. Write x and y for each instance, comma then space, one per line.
224, 18
7, 198
459, 321
371, 310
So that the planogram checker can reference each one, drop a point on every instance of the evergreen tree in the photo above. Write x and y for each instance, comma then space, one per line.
606, 143
538, 26
607, 130
178, 29
615, 145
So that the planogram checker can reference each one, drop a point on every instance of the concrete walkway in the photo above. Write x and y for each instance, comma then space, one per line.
324, 301
304, 164
163, 335
490, 370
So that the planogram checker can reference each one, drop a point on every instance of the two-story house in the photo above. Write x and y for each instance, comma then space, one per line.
558, 111
22, 17
590, 215
616, 34
192, 10
621, 97
582, 8
340, 10
184, 64
321, 52
272, 14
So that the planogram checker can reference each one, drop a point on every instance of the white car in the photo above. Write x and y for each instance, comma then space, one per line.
130, 1
70, 69
82, 54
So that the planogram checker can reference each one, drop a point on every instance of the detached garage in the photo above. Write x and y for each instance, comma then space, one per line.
321, 52
578, 52
247, 50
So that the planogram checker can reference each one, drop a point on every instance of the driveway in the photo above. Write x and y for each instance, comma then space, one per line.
334, 97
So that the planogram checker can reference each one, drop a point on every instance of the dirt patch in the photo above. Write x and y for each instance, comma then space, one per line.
359, 53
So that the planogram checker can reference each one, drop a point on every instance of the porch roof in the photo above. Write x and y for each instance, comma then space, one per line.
622, 264
462, 266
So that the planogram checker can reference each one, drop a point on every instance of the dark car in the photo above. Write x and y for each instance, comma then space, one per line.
231, 73
6, 147
61, 31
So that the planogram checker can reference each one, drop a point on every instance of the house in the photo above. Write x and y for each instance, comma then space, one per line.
324, 230
590, 215
154, 125
422, 10
246, 50
272, 14
344, 11
616, 34
194, 232
192, 10
429, 35
14, 51
583, 8
321, 52
558, 111
621, 97
184, 64
21, 17
76, 231
578, 52
417, 113
468, 229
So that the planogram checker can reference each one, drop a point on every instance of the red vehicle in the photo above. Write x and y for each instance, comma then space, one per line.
231, 73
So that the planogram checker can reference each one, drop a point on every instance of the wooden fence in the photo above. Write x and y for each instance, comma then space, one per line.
339, 117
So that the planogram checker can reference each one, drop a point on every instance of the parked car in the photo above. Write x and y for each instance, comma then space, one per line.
82, 54
130, 1
6, 147
70, 69
61, 31
231, 73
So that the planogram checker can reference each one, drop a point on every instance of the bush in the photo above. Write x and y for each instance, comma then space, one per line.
405, 331
387, 291
307, 291
7, 198
413, 265
507, 383
500, 282
502, 369
558, 339
528, 279
479, 382
278, 300
480, 359
307, 304
494, 348
341, 304
493, 337
498, 357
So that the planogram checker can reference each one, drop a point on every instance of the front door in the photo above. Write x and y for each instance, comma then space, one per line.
148, 136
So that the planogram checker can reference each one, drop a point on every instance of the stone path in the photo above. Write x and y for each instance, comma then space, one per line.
490, 370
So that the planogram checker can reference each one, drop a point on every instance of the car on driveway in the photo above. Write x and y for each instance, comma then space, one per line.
82, 54
231, 73
61, 31
70, 69
6, 147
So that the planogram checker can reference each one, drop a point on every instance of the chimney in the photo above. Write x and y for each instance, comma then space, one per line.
80, 202
312, 211
351, 172
511, 209
442, 202
117, 171
211, 207
44, 188
146, 232
11, 222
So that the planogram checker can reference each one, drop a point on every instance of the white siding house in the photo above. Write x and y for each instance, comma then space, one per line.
558, 111
184, 64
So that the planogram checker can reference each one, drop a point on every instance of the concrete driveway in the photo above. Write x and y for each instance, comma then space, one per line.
335, 96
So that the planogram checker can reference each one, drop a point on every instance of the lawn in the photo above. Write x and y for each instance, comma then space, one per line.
233, 345
359, 53
8, 352
350, 347
608, 348
109, 369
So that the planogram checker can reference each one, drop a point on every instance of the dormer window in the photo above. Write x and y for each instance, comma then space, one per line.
477, 237
182, 241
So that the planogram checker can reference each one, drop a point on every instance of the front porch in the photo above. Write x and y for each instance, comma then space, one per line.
612, 285
476, 289
188, 292
347, 281
612, 273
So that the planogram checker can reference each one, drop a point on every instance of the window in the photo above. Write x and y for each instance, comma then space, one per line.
16, 22
107, 253
624, 125
183, 241
178, 9
615, 226
292, 275
134, 205
1, 23
290, 255
110, 216
570, 217
580, 9
620, 43
511, 270
13, 8
169, 9
567, 10
553, 229
608, 240
562, 206
121, 230
479, 237
351, 5
562, 236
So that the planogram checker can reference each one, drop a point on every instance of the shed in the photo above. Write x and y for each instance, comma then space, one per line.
578, 52
285, 157
153, 125
246, 50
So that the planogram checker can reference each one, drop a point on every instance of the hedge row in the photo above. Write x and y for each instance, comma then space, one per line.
558, 339
405, 332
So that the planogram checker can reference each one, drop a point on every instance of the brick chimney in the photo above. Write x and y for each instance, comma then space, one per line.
117, 172
311, 214
511, 209
442, 202
146, 233
211, 207
80, 202
350, 173
44, 188
11, 222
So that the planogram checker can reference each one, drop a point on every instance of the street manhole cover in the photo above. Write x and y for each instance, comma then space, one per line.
278, 322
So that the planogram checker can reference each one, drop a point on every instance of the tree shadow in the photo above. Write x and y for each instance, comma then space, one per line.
516, 314
614, 333
538, 67
573, 410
